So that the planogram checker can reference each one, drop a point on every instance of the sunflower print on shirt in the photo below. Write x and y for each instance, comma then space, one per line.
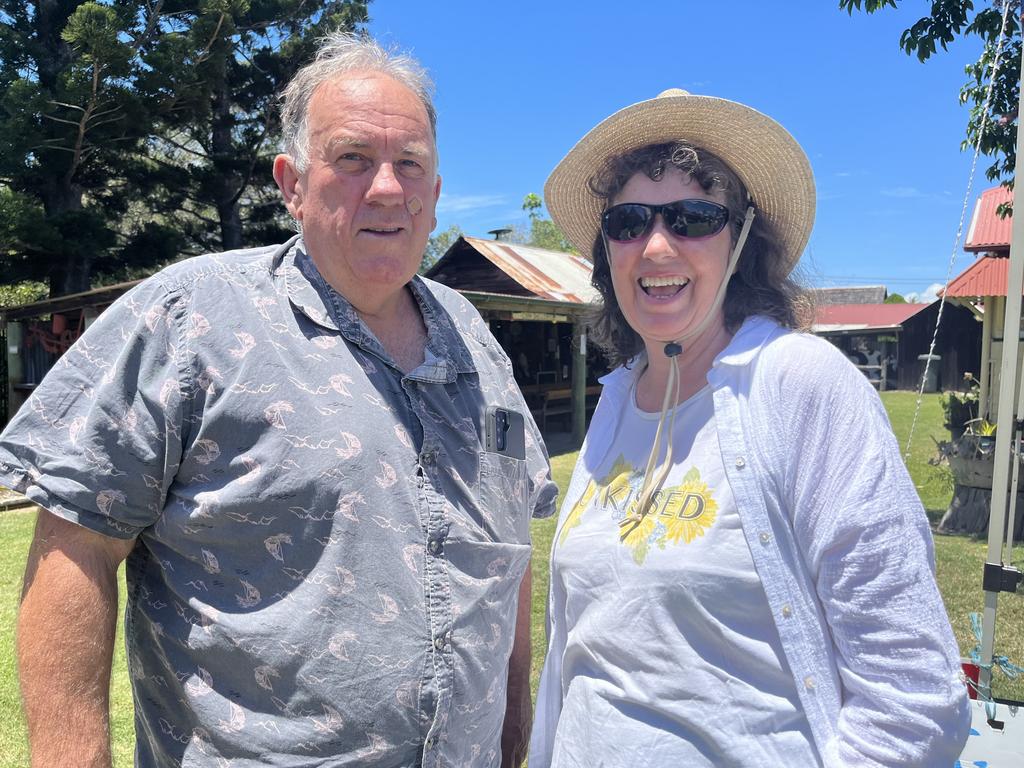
681, 513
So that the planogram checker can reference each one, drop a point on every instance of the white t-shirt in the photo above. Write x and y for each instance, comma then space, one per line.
671, 656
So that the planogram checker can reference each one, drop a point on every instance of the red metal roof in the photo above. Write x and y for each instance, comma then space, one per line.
865, 315
985, 277
989, 231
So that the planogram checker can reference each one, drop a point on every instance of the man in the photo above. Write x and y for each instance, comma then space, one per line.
287, 445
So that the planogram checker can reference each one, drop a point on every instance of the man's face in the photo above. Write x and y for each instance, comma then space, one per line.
366, 199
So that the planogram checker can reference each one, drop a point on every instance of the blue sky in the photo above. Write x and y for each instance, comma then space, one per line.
519, 83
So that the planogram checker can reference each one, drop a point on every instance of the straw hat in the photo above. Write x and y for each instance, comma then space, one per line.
767, 159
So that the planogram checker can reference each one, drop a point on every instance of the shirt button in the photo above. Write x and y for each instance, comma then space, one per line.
434, 545
439, 642
786, 611
740, 463
809, 683
765, 537
427, 457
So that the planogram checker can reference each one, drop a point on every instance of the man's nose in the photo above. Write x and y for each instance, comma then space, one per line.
385, 187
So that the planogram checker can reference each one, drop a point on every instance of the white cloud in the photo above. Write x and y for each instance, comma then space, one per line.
904, 192
927, 296
462, 203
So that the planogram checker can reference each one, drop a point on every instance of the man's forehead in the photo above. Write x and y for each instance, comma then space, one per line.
367, 93
356, 108
346, 138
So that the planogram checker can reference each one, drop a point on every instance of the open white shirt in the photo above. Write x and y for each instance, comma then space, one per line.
840, 544
670, 649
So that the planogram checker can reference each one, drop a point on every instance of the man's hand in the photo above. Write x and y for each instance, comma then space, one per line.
515, 732
65, 642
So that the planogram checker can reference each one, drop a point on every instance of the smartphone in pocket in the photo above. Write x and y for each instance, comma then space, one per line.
505, 432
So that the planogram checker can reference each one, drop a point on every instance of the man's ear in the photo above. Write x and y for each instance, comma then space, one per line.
437, 196
289, 182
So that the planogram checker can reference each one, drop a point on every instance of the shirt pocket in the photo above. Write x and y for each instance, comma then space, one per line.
502, 494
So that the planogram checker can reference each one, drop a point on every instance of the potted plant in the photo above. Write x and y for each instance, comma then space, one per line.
985, 433
961, 407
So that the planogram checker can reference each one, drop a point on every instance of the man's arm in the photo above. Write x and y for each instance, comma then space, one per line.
515, 732
66, 630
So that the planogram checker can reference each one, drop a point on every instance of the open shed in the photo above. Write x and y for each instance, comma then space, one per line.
536, 303
887, 341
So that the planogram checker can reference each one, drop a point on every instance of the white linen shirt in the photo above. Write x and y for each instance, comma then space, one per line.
840, 542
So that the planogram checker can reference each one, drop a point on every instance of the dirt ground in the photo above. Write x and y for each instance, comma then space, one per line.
7, 495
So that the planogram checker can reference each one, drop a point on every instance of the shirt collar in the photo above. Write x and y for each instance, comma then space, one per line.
305, 287
445, 337
755, 332
310, 294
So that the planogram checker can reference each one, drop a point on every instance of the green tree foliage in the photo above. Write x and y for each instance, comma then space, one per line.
22, 293
438, 245
130, 132
544, 233
895, 298
213, 77
70, 125
948, 19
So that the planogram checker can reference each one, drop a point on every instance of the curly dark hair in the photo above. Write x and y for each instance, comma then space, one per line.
761, 284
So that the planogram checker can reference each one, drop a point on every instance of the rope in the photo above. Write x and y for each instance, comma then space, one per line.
960, 227
1007, 667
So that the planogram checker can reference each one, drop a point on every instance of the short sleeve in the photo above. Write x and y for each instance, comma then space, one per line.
100, 439
543, 491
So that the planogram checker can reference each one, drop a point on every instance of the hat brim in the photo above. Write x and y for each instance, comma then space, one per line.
768, 160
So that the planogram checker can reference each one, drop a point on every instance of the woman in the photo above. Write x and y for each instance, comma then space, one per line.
742, 572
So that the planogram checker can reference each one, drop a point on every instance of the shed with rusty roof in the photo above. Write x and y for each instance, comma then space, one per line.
536, 302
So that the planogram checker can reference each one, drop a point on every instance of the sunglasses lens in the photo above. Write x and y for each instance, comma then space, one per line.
686, 218
695, 218
626, 222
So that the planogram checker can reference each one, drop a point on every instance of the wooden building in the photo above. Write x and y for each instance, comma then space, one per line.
536, 303
982, 288
888, 341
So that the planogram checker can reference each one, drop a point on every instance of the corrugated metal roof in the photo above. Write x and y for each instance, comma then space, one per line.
985, 277
869, 317
989, 231
548, 274
859, 294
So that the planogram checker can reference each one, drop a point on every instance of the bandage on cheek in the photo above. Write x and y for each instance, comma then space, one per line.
413, 205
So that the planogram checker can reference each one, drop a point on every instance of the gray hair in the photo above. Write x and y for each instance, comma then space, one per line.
341, 53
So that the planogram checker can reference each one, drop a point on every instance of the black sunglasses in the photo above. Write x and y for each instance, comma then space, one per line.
696, 217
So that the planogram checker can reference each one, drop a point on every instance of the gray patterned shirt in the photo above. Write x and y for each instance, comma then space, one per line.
327, 560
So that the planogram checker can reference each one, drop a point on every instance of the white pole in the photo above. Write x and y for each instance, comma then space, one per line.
1009, 375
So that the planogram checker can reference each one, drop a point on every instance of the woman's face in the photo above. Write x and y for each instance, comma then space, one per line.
666, 284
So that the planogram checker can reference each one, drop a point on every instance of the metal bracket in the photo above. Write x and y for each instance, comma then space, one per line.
1000, 578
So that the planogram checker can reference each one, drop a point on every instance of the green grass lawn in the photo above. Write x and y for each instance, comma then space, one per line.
15, 537
959, 566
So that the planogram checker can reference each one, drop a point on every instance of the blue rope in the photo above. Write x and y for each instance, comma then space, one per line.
1011, 670
1008, 668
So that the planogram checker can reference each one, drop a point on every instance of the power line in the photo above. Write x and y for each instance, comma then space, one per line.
923, 281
